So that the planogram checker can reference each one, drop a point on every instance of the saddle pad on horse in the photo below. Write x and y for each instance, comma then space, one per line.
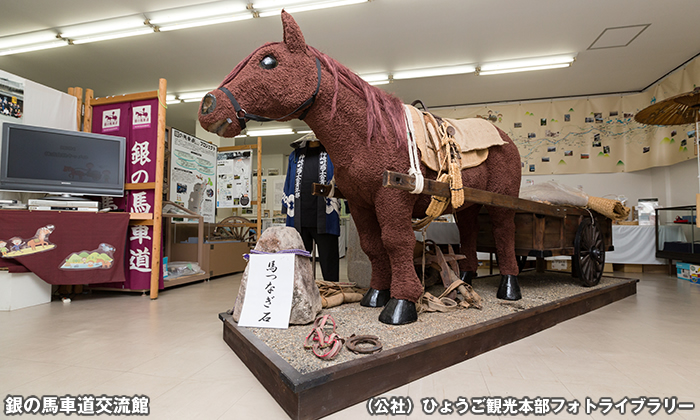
473, 136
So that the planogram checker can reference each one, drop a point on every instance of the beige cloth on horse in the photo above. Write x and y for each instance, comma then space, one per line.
473, 136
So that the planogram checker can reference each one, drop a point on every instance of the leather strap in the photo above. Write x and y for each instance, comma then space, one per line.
353, 344
242, 115
324, 337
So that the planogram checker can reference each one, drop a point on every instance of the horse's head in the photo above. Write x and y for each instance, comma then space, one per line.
278, 81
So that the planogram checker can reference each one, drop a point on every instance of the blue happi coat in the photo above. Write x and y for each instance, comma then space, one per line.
292, 186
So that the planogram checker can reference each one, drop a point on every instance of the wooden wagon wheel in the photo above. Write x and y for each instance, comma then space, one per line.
235, 228
588, 260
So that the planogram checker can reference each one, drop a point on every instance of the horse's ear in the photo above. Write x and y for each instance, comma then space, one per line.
293, 37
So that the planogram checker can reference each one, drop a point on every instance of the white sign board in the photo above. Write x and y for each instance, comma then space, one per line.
268, 295
193, 174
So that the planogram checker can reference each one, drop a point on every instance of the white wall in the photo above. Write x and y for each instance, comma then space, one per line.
46, 107
674, 185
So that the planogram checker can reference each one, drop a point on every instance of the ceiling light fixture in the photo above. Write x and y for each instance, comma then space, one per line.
33, 47
115, 25
171, 100
528, 64
198, 95
270, 8
40, 37
195, 12
159, 21
112, 35
202, 22
275, 132
376, 78
434, 71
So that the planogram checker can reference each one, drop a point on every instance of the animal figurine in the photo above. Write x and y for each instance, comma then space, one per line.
364, 131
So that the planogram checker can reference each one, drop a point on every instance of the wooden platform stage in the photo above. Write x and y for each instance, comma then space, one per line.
322, 392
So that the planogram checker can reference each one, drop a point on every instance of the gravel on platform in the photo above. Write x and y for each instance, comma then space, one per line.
537, 289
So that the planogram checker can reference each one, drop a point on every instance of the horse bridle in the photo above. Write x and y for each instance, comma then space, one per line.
242, 115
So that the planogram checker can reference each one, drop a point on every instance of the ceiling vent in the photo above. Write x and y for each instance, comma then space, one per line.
620, 36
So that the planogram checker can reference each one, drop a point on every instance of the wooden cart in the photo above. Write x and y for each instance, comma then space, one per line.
542, 230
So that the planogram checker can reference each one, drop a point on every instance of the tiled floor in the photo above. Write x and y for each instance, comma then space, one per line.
172, 351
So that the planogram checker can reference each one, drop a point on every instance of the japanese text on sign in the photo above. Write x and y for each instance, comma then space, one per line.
268, 296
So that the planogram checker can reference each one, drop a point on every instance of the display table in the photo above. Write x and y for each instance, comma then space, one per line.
65, 247
637, 244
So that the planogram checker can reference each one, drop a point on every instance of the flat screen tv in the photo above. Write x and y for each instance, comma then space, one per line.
61, 162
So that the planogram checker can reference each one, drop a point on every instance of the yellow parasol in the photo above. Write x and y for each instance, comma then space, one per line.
677, 110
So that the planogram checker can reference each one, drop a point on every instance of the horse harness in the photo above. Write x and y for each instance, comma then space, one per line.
242, 115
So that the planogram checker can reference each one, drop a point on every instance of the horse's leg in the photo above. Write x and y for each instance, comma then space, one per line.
503, 223
394, 209
467, 222
371, 243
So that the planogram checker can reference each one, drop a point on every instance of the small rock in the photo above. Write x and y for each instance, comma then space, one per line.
306, 299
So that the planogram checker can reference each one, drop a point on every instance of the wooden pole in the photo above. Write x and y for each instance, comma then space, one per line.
259, 232
87, 114
78, 93
158, 199
442, 189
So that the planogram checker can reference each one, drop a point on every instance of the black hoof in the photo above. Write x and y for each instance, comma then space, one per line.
375, 298
509, 288
398, 312
467, 276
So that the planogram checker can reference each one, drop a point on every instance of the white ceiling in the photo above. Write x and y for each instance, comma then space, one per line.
379, 36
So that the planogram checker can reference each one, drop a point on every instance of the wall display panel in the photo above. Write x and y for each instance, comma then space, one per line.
593, 135
193, 174
233, 175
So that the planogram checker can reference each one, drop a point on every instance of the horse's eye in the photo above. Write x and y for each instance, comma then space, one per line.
268, 62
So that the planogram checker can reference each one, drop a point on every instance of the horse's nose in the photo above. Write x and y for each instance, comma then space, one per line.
208, 104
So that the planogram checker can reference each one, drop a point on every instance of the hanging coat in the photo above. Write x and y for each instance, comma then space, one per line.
328, 208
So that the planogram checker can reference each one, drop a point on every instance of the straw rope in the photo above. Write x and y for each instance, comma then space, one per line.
612, 209
452, 164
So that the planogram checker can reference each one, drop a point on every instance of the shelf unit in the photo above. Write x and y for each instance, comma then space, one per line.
685, 246
171, 210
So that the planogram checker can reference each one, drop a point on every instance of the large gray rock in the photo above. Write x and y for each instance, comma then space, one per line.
306, 299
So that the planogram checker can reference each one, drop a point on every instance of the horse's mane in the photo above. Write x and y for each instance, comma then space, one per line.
377, 99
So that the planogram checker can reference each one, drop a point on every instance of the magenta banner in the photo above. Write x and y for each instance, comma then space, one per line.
138, 122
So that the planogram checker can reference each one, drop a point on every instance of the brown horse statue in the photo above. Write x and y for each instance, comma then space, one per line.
364, 131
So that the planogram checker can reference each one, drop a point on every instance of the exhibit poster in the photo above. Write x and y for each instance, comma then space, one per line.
233, 175
592, 135
193, 174
11, 99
